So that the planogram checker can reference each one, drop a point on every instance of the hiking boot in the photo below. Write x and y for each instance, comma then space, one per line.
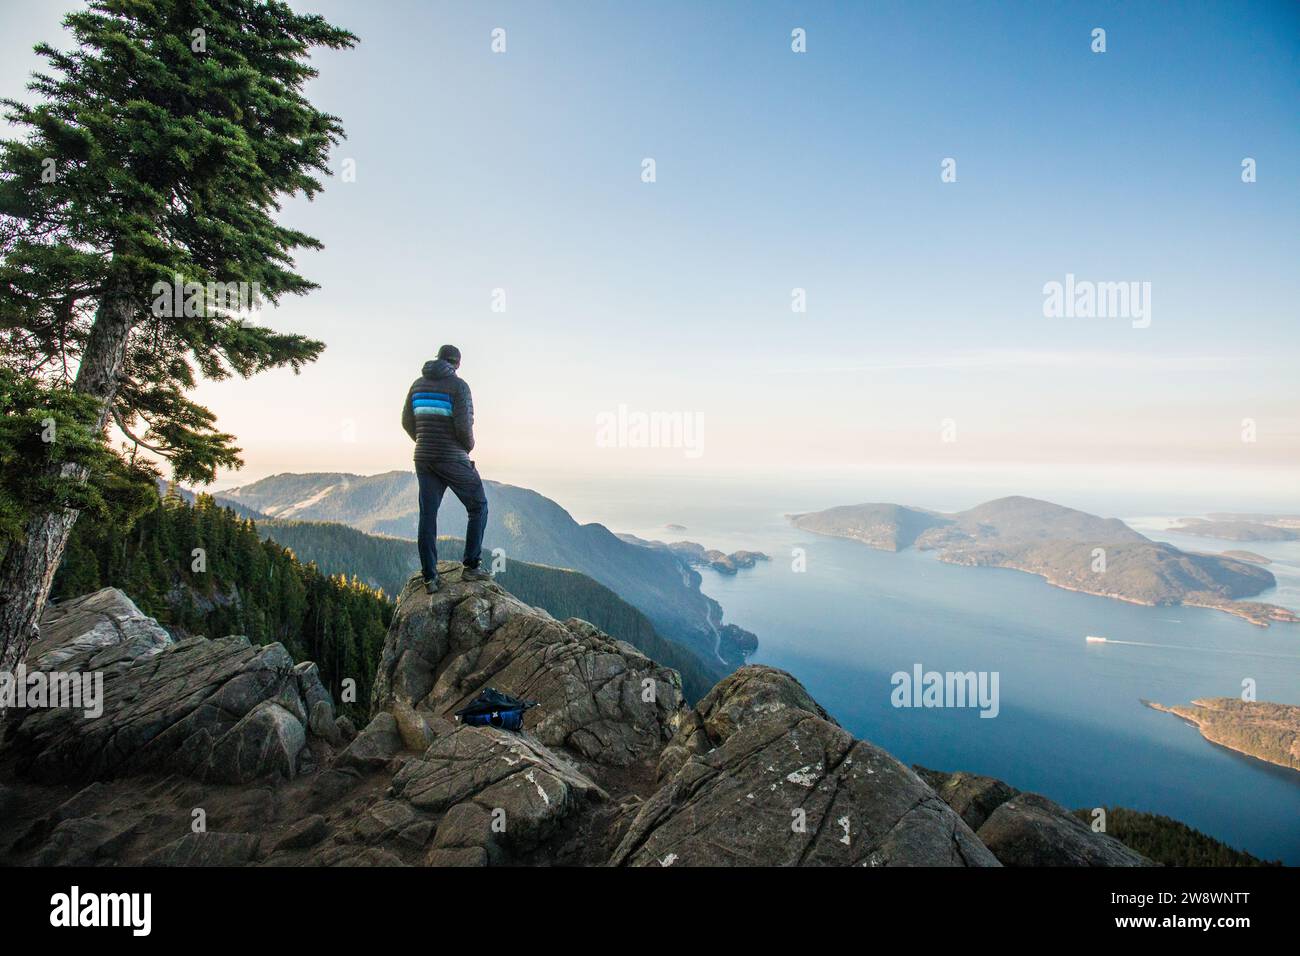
431, 585
475, 574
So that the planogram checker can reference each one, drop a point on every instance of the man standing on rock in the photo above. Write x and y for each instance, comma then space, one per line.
439, 416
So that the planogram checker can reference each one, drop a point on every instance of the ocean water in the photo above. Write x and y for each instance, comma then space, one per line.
1071, 724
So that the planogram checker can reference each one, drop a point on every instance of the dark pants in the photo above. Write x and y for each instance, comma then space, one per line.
462, 478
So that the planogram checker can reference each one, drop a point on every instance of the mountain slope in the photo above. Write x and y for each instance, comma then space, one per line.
1019, 519
388, 563
241, 585
887, 527
525, 525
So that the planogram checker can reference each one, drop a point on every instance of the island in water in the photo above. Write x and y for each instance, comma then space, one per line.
1069, 548
1236, 527
1250, 556
697, 555
1258, 729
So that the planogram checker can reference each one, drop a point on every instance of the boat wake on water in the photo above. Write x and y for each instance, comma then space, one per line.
1091, 639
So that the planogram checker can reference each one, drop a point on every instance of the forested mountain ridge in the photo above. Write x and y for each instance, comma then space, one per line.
1170, 841
526, 526
387, 563
202, 569
324, 590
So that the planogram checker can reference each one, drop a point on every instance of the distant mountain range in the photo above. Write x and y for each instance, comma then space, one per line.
528, 527
1071, 549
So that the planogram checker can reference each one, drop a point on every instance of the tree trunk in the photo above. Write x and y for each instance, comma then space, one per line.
27, 570
25, 578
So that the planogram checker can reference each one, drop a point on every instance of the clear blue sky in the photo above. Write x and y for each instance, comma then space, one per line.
778, 170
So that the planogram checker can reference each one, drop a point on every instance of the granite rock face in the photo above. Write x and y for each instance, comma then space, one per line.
1026, 829
761, 776
610, 768
1030, 830
500, 794
602, 698
99, 626
220, 710
972, 796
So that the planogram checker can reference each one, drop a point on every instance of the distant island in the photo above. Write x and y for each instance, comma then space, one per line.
699, 556
1228, 527
1258, 729
1250, 556
1071, 549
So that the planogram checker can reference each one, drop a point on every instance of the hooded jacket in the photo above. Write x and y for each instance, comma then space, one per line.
439, 414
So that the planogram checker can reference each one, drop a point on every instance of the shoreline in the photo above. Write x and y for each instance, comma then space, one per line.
1257, 613
1186, 714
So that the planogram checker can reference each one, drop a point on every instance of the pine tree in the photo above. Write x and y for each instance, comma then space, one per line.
159, 151
172, 498
265, 593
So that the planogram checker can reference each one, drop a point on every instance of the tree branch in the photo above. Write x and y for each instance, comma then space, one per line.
117, 417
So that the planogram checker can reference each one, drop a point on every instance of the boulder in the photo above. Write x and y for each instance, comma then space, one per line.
266, 741
322, 722
321, 718
735, 701
73, 632
598, 697
761, 776
347, 730
219, 710
972, 796
1030, 830
414, 730
377, 743
1027, 829
495, 791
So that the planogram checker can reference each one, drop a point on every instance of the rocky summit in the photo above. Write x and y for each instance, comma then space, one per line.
214, 751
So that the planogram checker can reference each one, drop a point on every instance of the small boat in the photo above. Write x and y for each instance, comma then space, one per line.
1093, 639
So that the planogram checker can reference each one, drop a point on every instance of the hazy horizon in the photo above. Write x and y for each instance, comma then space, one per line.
923, 359
643, 503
